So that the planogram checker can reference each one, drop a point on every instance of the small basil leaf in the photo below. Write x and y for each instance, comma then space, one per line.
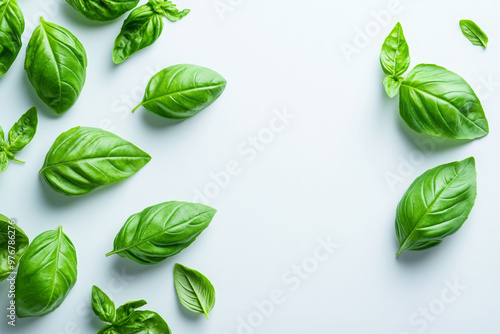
125, 312
440, 103
102, 305
13, 244
4, 162
182, 91
392, 85
47, 273
161, 231
194, 290
83, 159
56, 65
473, 33
395, 55
141, 29
145, 322
23, 131
168, 10
103, 10
12, 23
436, 205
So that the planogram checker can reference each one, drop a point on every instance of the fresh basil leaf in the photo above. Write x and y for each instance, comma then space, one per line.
109, 329
145, 322
12, 27
473, 33
392, 85
56, 65
161, 231
47, 273
194, 290
395, 55
436, 205
13, 244
4, 162
102, 305
440, 103
182, 91
23, 131
2, 139
103, 10
168, 10
83, 159
125, 312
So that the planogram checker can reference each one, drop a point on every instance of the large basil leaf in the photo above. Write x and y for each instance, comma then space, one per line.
395, 55
13, 244
56, 65
103, 10
473, 33
12, 27
440, 103
143, 27
182, 91
23, 131
83, 159
161, 231
436, 205
47, 273
102, 305
194, 290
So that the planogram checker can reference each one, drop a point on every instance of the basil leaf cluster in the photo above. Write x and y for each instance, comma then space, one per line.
13, 244
47, 273
436, 205
181, 91
20, 135
143, 27
473, 33
126, 319
161, 231
12, 23
56, 64
83, 159
102, 10
194, 290
395, 60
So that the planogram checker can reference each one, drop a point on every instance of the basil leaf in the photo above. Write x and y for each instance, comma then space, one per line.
47, 273
2, 139
194, 290
12, 23
161, 231
13, 244
440, 103
395, 55
145, 322
125, 312
56, 65
109, 329
168, 10
4, 162
83, 159
436, 205
392, 85
473, 33
102, 305
182, 91
23, 131
103, 10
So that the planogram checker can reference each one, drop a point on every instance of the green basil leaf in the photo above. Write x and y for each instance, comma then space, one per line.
168, 10
56, 65
12, 23
13, 244
161, 231
47, 273
83, 159
4, 162
182, 91
395, 55
392, 85
2, 139
125, 312
194, 290
109, 329
102, 305
103, 10
440, 103
473, 33
23, 131
436, 205
145, 322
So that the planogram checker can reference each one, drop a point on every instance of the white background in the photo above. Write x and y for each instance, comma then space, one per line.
324, 175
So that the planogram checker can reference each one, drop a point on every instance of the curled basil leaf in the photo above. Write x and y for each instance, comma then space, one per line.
143, 27
161, 231
436, 205
182, 91
194, 290
12, 27
440, 103
473, 33
47, 273
83, 159
103, 10
56, 64
13, 244
102, 305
